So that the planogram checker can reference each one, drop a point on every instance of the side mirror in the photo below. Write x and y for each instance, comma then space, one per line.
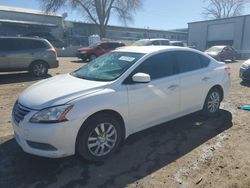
141, 78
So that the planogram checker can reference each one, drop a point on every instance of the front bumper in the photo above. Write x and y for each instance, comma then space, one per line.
244, 73
46, 140
83, 56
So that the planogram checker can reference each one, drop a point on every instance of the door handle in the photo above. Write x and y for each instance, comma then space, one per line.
173, 87
206, 79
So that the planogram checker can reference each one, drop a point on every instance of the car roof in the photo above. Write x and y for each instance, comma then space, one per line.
31, 38
152, 49
219, 46
175, 41
154, 39
102, 42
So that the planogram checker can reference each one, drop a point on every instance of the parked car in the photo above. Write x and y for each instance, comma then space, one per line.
97, 49
177, 43
245, 71
91, 110
222, 53
27, 54
152, 42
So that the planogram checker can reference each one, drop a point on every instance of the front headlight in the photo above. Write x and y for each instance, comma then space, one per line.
83, 52
51, 115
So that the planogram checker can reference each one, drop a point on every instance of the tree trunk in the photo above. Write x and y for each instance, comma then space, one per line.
102, 31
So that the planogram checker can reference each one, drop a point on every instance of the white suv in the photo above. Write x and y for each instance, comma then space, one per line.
91, 110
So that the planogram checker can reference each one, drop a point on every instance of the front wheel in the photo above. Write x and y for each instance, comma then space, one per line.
212, 103
99, 137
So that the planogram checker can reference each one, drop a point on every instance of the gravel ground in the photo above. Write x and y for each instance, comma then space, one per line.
192, 151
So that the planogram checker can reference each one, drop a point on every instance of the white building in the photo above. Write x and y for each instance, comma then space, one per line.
234, 31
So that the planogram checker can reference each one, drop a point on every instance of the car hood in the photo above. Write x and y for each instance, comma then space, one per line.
86, 49
58, 90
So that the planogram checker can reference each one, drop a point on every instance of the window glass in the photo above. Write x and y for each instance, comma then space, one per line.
187, 61
156, 43
204, 61
157, 66
165, 42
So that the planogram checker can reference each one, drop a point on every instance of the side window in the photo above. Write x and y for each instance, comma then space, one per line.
187, 61
165, 43
156, 43
157, 66
105, 46
204, 61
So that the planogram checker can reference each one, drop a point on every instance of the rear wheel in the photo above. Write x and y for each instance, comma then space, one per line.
38, 69
99, 137
212, 103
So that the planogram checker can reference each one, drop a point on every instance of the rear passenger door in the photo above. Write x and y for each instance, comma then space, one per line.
4, 48
194, 78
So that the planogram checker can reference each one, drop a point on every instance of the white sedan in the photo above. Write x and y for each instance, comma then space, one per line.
91, 110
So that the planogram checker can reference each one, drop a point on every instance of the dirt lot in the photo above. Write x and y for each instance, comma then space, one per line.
188, 152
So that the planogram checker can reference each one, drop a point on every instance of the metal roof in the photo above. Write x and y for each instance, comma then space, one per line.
220, 19
27, 23
26, 11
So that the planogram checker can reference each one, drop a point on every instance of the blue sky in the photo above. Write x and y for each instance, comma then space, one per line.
156, 14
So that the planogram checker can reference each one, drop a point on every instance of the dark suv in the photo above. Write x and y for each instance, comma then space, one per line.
23, 53
97, 49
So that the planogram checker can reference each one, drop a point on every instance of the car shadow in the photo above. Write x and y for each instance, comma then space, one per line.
78, 61
10, 78
141, 154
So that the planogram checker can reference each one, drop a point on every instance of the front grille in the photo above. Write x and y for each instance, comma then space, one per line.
19, 112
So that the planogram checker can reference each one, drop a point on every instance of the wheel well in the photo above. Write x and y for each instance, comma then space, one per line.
113, 113
220, 89
36, 61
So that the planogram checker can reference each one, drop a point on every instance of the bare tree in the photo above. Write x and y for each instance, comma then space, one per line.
98, 11
224, 8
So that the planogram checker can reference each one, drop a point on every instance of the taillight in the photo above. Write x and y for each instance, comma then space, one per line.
53, 50
227, 70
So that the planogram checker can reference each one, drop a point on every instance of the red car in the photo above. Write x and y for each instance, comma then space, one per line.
222, 53
97, 49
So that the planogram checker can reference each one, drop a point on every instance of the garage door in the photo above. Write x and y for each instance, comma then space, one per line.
221, 32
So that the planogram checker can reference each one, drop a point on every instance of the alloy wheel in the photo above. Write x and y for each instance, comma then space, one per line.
102, 139
213, 102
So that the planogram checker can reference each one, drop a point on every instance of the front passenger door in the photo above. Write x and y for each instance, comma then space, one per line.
157, 101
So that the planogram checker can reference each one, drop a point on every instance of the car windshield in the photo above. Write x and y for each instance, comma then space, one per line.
215, 49
107, 67
141, 43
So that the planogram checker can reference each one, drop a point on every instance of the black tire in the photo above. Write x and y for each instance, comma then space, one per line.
85, 145
38, 69
92, 57
233, 59
212, 103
